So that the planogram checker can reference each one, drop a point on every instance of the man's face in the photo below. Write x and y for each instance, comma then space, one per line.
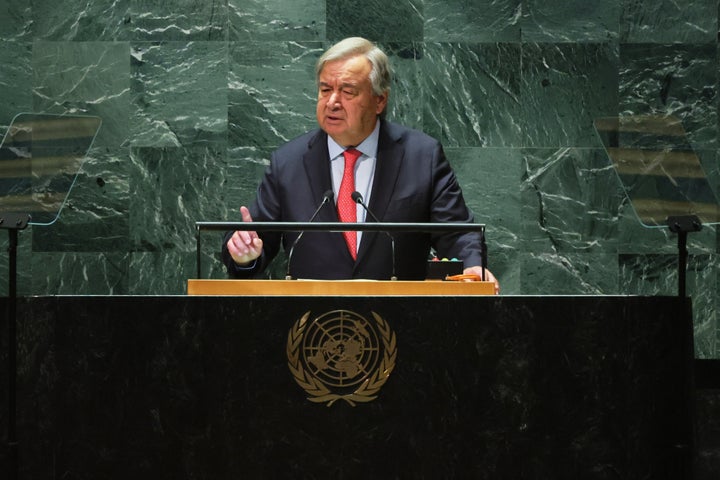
347, 108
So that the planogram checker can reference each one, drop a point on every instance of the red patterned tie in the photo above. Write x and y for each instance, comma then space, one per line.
347, 209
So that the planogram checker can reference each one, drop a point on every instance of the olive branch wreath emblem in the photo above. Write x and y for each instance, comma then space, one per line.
318, 391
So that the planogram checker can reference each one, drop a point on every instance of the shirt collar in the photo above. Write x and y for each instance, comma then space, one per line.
367, 147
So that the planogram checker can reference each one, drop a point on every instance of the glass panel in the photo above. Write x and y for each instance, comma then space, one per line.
40, 157
658, 168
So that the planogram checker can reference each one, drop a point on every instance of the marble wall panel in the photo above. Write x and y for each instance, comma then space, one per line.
574, 21
271, 92
179, 92
675, 80
15, 21
568, 273
16, 72
473, 94
472, 22
95, 215
170, 190
163, 271
276, 20
406, 103
564, 88
84, 78
181, 20
68, 20
482, 172
397, 21
66, 273
570, 200
667, 21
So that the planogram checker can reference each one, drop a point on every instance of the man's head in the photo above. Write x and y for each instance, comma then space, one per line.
353, 85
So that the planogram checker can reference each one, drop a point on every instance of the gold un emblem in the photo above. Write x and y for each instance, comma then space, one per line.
341, 355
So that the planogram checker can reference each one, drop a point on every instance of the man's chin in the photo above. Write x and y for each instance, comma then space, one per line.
339, 135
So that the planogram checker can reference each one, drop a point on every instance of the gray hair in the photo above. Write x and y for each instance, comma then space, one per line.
380, 72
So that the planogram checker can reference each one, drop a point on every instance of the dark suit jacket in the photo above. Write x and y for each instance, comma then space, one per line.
413, 183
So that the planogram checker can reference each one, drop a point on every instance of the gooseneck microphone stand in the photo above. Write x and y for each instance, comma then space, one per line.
12, 222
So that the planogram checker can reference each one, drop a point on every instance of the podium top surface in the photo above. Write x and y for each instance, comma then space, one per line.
332, 288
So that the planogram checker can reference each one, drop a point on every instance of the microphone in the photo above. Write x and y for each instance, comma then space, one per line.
327, 197
357, 198
483, 254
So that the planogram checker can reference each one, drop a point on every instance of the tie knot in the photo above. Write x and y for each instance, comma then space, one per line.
351, 155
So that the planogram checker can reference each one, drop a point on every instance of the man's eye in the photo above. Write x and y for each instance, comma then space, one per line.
349, 91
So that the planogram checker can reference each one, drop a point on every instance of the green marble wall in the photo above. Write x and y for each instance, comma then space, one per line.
194, 95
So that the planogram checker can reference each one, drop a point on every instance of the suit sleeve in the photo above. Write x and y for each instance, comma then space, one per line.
448, 205
265, 208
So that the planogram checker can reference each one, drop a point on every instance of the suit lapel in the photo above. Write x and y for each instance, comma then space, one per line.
317, 168
389, 159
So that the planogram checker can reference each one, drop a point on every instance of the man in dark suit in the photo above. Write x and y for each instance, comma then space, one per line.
402, 175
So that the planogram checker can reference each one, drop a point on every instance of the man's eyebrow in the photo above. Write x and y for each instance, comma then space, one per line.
342, 85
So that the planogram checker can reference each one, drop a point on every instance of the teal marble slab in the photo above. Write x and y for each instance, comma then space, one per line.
170, 190
472, 94
482, 173
568, 273
15, 81
377, 20
668, 21
407, 98
187, 20
87, 78
95, 215
570, 21
16, 23
271, 92
472, 22
69, 20
570, 201
90, 273
565, 87
241, 177
276, 20
675, 80
162, 272
179, 93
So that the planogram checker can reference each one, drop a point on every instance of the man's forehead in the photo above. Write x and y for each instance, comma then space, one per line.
357, 66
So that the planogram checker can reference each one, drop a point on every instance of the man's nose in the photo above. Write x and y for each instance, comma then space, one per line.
334, 100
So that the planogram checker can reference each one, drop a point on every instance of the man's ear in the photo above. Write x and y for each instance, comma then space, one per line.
381, 103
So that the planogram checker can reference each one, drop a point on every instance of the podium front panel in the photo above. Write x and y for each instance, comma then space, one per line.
479, 387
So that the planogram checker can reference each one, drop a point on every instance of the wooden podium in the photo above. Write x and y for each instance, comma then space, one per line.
338, 288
